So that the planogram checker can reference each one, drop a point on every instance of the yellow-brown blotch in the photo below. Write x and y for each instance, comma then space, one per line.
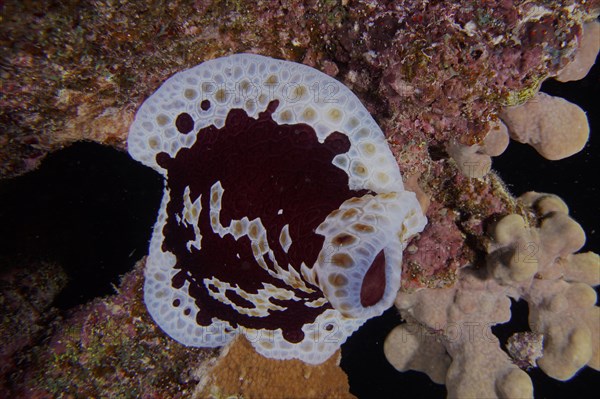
243, 373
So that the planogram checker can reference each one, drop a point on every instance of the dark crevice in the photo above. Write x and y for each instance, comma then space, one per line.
88, 207
371, 375
517, 323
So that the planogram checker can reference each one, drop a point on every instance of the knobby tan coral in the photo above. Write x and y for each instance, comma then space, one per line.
468, 356
586, 56
475, 161
448, 331
553, 126
561, 298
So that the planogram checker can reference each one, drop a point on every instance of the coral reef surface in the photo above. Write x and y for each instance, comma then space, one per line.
448, 333
106, 348
440, 78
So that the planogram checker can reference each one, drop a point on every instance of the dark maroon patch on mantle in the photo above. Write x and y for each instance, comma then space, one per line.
184, 123
263, 167
373, 286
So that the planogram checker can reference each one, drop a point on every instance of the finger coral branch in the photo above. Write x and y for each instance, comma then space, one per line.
530, 262
553, 126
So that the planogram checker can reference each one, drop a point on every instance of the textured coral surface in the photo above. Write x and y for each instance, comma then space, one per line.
448, 333
74, 70
25, 297
108, 348
433, 74
242, 373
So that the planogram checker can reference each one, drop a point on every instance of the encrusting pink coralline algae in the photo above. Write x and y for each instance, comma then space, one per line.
445, 85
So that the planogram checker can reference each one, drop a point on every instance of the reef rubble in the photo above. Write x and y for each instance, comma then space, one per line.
106, 348
446, 82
